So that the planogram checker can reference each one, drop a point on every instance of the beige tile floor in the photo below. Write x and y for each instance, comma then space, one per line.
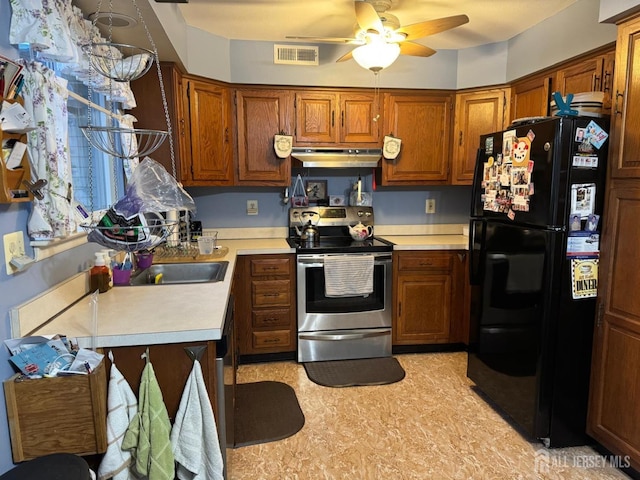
431, 425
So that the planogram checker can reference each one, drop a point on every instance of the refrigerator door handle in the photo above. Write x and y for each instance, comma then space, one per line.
476, 245
475, 209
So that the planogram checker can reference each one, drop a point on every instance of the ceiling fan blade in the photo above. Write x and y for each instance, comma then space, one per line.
431, 27
327, 40
345, 57
415, 49
367, 17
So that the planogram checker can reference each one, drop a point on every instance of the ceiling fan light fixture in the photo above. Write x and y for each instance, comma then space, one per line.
376, 56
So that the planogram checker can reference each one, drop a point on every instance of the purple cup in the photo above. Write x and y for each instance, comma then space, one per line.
121, 277
144, 260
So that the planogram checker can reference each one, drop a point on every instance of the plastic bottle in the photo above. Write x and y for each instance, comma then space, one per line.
99, 275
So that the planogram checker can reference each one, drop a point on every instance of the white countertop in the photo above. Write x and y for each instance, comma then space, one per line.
155, 314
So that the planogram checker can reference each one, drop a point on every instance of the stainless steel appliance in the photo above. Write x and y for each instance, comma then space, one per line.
226, 366
538, 195
340, 327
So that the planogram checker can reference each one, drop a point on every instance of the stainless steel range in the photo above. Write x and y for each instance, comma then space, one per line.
344, 286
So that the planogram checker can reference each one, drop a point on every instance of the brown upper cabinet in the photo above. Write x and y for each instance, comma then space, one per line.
423, 122
624, 160
530, 97
150, 113
337, 118
261, 114
208, 113
477, 112
593, 74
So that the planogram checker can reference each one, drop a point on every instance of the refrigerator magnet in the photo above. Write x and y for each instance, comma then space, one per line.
521, 152
595, 134
508, 139
584, 278
583, 197
488, 145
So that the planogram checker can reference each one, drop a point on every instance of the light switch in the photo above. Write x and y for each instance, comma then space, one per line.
13, 247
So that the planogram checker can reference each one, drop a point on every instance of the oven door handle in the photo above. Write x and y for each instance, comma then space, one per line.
352, 335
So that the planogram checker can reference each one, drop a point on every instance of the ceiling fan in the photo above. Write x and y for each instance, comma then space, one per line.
382, 39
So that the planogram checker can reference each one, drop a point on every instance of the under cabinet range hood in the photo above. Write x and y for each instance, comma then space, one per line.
330, 157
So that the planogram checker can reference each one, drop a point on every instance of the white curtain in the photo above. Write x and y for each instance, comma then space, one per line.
57, 31
45, 99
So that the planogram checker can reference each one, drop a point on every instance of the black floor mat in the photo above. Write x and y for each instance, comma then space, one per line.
360, 372
265, 412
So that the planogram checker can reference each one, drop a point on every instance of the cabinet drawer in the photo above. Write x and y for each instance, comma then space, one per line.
426, 261
270, 266
271, 293
272, 339
271, 318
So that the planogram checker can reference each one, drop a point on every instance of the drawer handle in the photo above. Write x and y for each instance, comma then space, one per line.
273, 340
270, 294
426, 263
270, 320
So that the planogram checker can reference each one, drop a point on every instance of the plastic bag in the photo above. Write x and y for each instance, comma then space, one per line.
135, 221
152, 189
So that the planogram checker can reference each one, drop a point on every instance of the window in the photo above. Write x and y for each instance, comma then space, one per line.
98, 181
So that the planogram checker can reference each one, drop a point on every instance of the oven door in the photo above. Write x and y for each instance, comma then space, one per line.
316, 311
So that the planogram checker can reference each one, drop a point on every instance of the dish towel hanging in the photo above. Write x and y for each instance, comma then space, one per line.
348, 275
194, 436
148, 433
122, 406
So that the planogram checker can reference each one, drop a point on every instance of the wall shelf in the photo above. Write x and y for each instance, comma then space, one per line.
12, 190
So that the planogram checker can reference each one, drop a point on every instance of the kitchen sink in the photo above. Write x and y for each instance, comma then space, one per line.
177, 273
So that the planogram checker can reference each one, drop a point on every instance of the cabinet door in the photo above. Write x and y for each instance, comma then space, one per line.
428, 292
423, 122
614, 412
530, 98
260, 115
315, 117
150, 113
477, 113
209, 122
358, 118
625, 115
586, 76
423, 307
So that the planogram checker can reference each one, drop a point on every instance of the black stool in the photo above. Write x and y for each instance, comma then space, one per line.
59, 466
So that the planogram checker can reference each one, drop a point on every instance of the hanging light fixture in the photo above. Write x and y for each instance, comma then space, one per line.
377, 54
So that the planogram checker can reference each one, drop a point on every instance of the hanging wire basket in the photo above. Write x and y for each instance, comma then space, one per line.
119, 61
144, 233
124, 142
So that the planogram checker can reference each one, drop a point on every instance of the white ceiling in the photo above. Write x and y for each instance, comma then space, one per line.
272, 20
490, 21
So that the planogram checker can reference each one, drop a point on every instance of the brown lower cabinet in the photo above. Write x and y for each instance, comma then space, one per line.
172, 367
265, 304
430, 306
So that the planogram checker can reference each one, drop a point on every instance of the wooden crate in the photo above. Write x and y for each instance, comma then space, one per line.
57, 415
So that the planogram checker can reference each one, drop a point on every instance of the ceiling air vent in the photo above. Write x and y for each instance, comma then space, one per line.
295, 54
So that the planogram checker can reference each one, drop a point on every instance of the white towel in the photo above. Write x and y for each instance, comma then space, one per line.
194, 436
348, 275
122, 406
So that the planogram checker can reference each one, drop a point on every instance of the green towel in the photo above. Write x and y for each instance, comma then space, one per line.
148, 435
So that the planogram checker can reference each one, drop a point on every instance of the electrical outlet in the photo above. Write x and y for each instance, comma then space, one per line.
252, 207
430, 206
13, 247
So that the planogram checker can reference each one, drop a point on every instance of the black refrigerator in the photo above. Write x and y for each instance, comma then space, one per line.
536, 218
